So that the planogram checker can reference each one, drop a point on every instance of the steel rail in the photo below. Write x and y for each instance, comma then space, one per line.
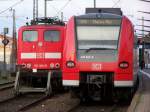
32, 104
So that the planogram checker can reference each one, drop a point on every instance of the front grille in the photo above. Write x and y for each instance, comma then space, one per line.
96, 77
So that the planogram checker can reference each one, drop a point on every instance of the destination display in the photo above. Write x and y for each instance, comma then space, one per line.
105, 22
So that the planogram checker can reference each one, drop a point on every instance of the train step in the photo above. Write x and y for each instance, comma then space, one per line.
24, 90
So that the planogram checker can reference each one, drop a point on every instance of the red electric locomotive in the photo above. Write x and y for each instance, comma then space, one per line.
99, 59
39, 55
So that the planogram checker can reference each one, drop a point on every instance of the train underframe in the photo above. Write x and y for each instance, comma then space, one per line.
47, 81
100, 87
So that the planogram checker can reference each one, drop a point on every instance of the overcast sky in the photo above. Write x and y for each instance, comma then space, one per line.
24, 9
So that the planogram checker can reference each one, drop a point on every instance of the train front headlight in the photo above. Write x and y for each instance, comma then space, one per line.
28, 65
52, 65
70, 64
124, 64
57, 65
23, 65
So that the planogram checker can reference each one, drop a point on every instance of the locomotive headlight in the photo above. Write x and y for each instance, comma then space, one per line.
23, 65
28, 65
124, 64
70, 64
52, 65
57, 65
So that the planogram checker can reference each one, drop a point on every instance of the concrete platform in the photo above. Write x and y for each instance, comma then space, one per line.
141, 100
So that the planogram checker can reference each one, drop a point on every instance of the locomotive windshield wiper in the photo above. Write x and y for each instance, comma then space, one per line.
95, 48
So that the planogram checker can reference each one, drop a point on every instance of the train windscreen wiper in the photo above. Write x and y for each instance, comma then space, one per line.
95, 48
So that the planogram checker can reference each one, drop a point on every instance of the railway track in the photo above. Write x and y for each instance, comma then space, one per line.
7, 100
32, 104
20, 103
98, 107
6, 91
57, 103
63, 103
7, 85
29, 102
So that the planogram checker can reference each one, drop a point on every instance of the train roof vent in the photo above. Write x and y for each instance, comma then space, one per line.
104, 10
47, 20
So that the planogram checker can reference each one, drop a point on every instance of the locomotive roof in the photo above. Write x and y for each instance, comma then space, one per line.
104, 10
42, 26
99, 15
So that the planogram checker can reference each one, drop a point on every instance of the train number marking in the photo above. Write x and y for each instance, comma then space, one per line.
39, 55
96, 66
87, 57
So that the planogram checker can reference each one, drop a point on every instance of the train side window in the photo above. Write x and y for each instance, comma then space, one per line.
52, 35
30, 36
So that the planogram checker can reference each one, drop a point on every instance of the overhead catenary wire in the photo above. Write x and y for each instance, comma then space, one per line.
116, 3
63, 7
142, 30
11, 6
5, 0
144, 26
145, 1
7, 16
144, 12
54, 8
77, 6
148, 20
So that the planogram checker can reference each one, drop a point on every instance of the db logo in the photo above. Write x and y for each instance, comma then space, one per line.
96, 66
40, 55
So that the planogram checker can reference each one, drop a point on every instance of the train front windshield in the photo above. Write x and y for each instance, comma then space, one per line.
98, 33
30, 36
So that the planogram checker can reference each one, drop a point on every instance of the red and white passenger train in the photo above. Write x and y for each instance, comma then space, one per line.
99, 57
39, 55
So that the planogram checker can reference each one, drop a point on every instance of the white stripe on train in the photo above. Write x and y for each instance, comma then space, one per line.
28, 55
54, 55
123, 83
116, 83
71, 82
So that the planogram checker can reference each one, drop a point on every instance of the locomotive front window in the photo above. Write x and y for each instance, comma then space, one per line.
30, 36
52, 35
98, 34
104, 37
